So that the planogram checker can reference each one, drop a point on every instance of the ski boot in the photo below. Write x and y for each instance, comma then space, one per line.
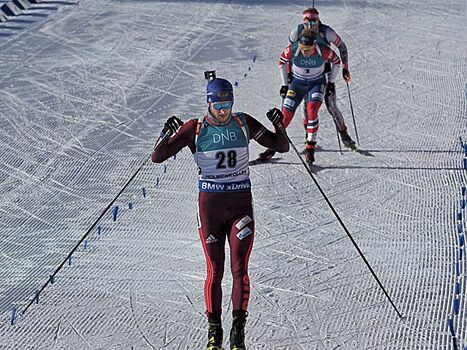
237, 333
266, 155
346, 140
215, 332
310, 152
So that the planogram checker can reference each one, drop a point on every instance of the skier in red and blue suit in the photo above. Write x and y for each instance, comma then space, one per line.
327, 36
219, 142
308, 59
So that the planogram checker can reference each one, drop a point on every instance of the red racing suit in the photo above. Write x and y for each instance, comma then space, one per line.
225, 210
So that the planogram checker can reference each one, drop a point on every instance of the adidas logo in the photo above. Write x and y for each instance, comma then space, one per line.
211, 239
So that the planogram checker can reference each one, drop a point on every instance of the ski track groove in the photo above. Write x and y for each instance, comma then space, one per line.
304, 270
137, 324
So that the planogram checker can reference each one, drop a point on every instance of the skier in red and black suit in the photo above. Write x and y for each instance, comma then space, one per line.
219, 142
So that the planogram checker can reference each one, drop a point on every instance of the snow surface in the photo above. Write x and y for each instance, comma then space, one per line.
84, 89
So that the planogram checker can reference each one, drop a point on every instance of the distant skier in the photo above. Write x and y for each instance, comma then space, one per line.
219, 142
325, 36
308, 59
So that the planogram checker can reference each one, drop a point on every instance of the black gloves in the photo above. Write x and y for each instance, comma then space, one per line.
275, 116
171, 125
330, 89
283, 91
346, 74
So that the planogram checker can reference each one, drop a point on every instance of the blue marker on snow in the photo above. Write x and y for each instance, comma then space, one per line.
13, 316
459, 216
236, 84
69, 260
463, 191
157, 182
36, 296
144, 192
99, 228
114, 213
461, 240
451, 326
456, 305
52, 279
458, 288
130, 205
165, 168
85, 244
462, 203
254, 60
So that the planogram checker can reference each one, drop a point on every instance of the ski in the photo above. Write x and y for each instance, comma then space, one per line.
361, 151
256, 162
259, 160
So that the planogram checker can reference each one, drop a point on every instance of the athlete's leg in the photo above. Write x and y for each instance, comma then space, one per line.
241, 236
304, 113
212, 232
331, 105
241, 242
292, 101
330, 100
314, 100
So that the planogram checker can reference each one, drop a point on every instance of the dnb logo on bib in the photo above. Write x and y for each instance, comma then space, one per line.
291, 93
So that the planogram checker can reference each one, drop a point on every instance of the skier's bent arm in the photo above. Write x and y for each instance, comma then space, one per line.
284, 61
330, 56
172, 145
274, 140
284, 74
333, 37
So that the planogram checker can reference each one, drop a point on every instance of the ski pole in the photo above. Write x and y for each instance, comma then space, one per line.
281, 127
353, 116
162, 137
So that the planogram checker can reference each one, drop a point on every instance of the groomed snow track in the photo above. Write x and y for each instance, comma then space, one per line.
84, 91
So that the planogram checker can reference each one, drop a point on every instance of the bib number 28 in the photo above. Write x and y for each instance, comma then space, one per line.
228, 159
